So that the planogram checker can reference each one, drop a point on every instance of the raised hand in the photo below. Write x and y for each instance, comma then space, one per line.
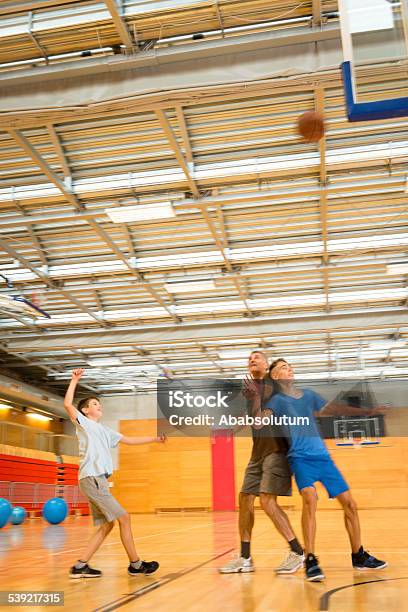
77, 373
251, 389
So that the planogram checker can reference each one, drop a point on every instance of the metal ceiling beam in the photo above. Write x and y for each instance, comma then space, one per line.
38, 246
395, 182
65, 217
219, 17
120, 25
59, 150
27, 147
129, 241
184, 134
205, 351
145, 284
237, 281
33, 38
319, 105
14, 315
317, 12
8, 8
167, 129
146, 354
43, 366
72, 199
209, 329
36, 242
48, 281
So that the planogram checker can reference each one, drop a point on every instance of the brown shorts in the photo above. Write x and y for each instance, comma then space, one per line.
104, 507
271, 475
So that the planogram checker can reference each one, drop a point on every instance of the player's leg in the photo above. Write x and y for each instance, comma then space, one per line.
126, 536
306, 473
97, 540
309, 507
106, 507
314, 572
81, 569
277, 480
249, 491
337, 487
360, 558
246, 521
270, 506
351, 520
136, 565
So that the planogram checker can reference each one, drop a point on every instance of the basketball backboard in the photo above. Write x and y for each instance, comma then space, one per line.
375, 67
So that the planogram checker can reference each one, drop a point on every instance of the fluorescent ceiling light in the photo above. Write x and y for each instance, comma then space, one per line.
232, 305
38, 417
135, 313
190, 286
387, 344
251, 342
400, 268
107, 349
146, 212
232, 363
105, 361
231, 354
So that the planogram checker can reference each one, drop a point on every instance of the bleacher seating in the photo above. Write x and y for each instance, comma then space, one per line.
28, 478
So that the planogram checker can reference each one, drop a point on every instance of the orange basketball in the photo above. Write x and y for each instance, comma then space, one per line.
311, 126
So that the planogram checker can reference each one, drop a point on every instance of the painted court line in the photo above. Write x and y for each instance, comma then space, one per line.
122, 601
325, 599
152, 535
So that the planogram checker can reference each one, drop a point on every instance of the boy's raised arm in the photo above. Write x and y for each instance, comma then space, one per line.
69, 395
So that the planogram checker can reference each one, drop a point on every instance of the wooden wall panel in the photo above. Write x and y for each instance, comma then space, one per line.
377, 475
176, 474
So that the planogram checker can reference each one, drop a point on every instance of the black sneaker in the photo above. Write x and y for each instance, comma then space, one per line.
313, 571
364, 561
147, 567
84, 572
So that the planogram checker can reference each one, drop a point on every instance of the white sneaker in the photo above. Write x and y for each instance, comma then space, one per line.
291, 563
236, 565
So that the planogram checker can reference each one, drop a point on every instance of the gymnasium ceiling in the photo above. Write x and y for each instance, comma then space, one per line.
297, 248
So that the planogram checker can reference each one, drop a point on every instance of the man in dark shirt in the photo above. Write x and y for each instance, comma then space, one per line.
267, 476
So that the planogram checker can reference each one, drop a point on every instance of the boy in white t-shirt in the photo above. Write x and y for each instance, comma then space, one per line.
95, 442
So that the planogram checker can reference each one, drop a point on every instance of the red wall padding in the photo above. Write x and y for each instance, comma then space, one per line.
223, 478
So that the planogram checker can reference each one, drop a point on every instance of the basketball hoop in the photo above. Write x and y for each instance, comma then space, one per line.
357, 443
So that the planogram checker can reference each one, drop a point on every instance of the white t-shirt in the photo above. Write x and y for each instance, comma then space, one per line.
95, 441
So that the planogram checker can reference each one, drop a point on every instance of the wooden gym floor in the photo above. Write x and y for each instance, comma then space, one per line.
190, 548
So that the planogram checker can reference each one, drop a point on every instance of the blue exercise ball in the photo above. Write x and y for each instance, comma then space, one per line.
18, 515
55, 510
5, 511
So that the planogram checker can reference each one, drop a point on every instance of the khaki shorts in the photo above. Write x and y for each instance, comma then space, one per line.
104, 507
272, 475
